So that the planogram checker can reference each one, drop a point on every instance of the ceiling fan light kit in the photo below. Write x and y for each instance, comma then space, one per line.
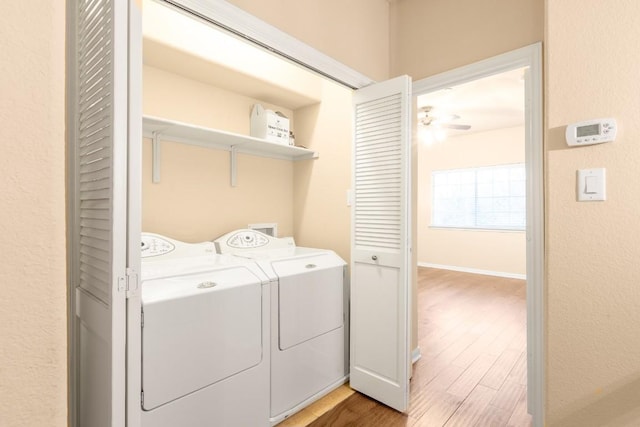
427, 117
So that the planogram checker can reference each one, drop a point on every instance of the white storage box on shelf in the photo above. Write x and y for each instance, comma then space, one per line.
269, 125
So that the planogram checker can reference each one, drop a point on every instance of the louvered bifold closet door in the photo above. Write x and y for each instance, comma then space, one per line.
98, 163
380, 251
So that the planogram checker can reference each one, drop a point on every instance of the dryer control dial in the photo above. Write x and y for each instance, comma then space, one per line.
247, 239
153, 246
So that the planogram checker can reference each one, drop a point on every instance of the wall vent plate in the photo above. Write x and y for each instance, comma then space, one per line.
268, 228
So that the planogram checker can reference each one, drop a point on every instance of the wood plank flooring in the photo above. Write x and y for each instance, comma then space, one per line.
472, 336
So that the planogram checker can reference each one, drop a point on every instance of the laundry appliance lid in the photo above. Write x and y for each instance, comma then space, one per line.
199, 281
190, 265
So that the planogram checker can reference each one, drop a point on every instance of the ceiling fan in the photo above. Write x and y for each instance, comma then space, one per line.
427, 117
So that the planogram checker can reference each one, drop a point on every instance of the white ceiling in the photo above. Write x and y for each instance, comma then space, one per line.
180, 43
493, 102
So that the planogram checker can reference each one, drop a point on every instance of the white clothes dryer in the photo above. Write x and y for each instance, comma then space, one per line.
309, 351
204, 334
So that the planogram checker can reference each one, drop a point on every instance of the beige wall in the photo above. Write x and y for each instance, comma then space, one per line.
429, 37
354, 32
33, 353
593, 273
497, 251
194, 200
322, 217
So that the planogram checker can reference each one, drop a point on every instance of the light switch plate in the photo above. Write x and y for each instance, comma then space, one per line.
592, 185
349, 197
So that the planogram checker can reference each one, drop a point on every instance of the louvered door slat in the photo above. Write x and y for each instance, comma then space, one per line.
94, 185
94, 150
93, 243
94, 111
380, 191
92, 96
380, 167
378, 139
377, 124
96, 224
97, 264
377, 105
93, 57
99, 64
89, 128
93, 252
91, 38
96, 154
95, 166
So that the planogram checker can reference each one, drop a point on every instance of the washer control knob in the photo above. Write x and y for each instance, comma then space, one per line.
206, 285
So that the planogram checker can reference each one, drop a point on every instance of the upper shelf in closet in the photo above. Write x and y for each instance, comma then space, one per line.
183, 45
206, 137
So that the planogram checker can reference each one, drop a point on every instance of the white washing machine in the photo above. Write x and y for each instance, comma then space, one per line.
309, 351
205, 337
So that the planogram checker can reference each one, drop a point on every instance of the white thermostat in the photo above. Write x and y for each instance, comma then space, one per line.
591, 132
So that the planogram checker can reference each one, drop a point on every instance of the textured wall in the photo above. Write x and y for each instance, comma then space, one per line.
593, 293
33, 352
354, 32
478, 249
429, 37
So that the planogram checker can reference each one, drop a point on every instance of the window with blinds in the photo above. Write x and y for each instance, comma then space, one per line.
491, 197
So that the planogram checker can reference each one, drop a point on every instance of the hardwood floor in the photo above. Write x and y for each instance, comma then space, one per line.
472, 335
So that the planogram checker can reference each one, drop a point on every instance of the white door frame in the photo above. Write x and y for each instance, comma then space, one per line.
531, 57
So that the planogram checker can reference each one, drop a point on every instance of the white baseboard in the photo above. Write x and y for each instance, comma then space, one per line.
474, 270
415, 355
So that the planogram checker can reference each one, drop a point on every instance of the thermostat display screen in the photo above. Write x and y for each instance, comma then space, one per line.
588, 130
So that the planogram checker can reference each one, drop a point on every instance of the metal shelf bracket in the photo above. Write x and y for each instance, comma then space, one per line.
155, 158
233, 157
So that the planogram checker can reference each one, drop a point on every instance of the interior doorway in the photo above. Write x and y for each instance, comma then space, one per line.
523, 65
471, 252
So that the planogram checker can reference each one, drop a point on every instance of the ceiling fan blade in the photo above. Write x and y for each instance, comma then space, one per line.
456, 127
